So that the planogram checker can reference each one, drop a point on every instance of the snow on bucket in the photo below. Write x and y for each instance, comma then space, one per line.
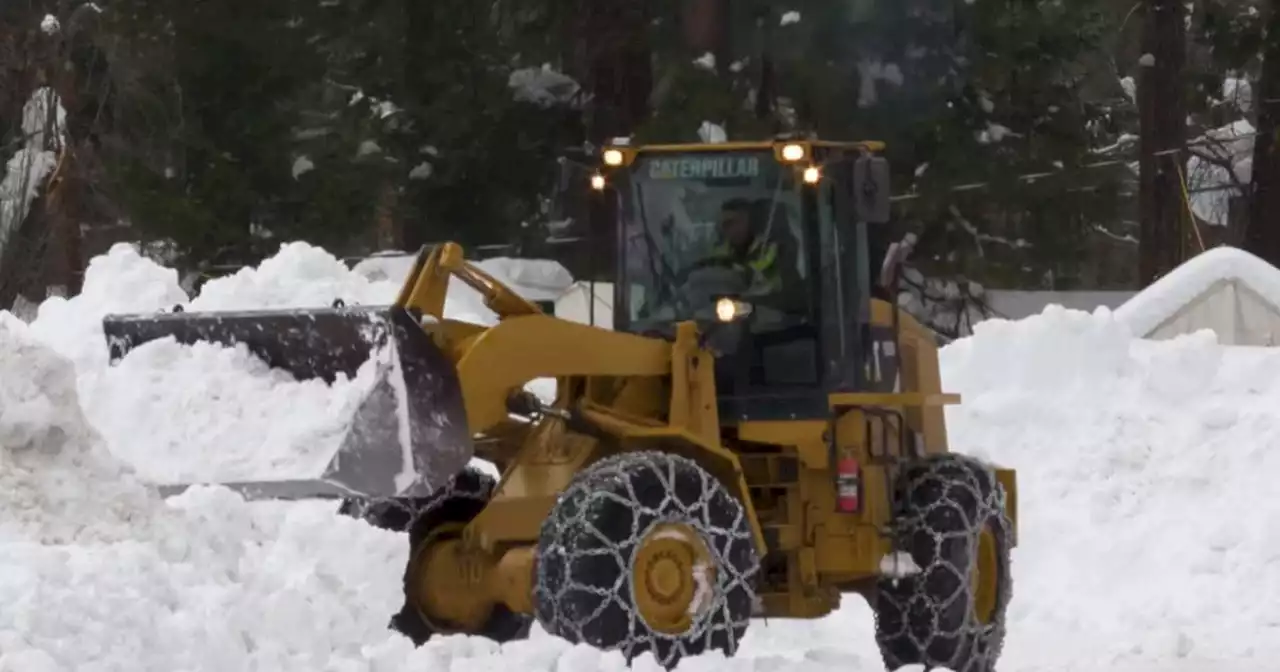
408, 435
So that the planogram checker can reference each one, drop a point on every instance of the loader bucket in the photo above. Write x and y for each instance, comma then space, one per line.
409, 434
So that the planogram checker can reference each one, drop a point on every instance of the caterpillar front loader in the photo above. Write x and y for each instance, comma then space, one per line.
756, 437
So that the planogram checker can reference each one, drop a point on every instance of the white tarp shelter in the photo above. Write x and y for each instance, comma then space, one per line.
1227, 290
577, 302
533, 279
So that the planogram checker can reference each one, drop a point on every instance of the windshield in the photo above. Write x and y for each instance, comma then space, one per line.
700, 226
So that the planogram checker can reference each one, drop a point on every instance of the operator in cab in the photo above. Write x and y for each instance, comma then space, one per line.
745, 244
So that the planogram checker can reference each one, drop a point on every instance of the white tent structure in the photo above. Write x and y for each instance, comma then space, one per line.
588, 303
1227, 290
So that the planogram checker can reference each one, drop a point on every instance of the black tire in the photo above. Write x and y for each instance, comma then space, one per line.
458, 502
930, 618
590, 540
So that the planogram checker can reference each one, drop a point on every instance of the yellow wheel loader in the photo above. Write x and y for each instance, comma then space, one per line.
757, 436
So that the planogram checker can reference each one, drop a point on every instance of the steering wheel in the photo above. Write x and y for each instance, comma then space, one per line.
680, 300
682, 277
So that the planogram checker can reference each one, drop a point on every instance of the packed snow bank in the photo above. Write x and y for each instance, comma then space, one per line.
1166, 296
1147, 530
121, 281
97, 573
57, 483
208, 412
1145, 470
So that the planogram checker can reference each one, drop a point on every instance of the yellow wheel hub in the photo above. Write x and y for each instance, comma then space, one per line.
985, 578
672, 577
438, 584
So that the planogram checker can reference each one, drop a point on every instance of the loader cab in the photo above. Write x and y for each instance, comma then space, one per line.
765, 246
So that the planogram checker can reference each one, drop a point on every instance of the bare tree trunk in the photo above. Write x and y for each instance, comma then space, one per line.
64, 203
616, 52
1162, 111
619, 72
706, 29
42, 252
766, 92
388, 228
1262, 235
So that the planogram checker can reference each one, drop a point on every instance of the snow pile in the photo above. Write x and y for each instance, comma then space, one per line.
1147, 531
98, 573
121, 281
1163, 298
297, 276
213, 413
238, 419
57, 483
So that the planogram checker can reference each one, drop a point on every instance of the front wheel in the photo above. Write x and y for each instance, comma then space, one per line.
647, 552
439, 518
951, 613
395, 514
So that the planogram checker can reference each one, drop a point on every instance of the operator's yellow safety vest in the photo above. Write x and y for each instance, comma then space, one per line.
761, 261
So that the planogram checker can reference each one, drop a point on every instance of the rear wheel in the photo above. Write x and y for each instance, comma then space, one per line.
439, 518
647, 552
952, 612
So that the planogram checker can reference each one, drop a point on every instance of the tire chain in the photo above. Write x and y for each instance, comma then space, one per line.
621, 480
962, 493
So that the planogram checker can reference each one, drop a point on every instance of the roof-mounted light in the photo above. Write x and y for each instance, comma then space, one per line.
792, 152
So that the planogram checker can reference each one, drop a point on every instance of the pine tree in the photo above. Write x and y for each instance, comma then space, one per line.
981, 93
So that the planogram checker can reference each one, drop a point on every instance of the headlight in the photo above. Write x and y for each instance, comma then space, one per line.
597, 182
728, 310
812, 175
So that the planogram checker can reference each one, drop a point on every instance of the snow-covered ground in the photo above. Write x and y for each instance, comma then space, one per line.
1148, 530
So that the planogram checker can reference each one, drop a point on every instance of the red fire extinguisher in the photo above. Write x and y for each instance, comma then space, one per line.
848, 485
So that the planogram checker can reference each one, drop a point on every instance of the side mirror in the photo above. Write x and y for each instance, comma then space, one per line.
871, 189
